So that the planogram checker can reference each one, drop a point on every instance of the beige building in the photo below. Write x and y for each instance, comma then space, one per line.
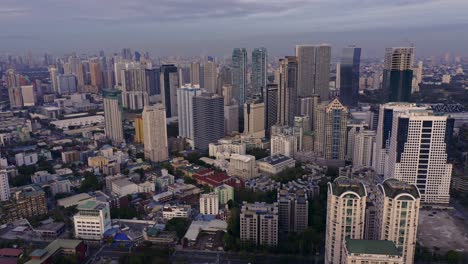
357, 251
346, 207
155, 131
284, 144
225, 193
209, 203
259, 223
113, 115
225, 148
210, 76
398, 206
330, 127
254, 119
275, 164
242, 166
29, 95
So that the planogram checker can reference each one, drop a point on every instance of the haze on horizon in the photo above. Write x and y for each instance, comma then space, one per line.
214, 27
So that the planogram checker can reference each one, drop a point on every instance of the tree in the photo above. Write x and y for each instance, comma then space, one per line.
179, 225
259, 153
90, 183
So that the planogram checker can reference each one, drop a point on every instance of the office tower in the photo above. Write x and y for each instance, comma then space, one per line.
92, 220
259, 70
66, 84
254, 119
346, 207
29, 95
152, 81
363, 150
155, 131
349, 76
224, 78
270, 98
4, 186
208, 119
259, 223
231, 116
398, 206
313, 70
287, 90
306, 107
113, 115
195, 73
185, 96
417, 153
370, 251
239, 81
209, 204
284, 143
139, 133
210, 77
330, 128
293, 210
169, 82
398, 74
96, 74
53, 73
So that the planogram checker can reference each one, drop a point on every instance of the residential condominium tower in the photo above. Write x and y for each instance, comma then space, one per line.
313, 70
155, 133
113, 115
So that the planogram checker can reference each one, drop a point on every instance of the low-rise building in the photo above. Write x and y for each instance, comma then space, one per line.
275, 164
243, 166
171, 211
92, 220
357, 251
67, 247
225, 193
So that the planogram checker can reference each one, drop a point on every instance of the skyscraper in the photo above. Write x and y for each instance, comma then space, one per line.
66, 84
185, 96
418, 152
155, 133
195, 73
330, 126
113, 115
259, 70
398, 74
398, 206
239, 81
210, 76
152, 81
96, 74
287, 90
53, 73
346, 207
313, 70
4, 186
29, 95
270, 97
169, 82
208, 119
349, 76
254, 119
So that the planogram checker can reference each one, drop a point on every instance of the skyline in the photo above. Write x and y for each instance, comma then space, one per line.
210, 27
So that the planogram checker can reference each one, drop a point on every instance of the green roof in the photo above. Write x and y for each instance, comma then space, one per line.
394, 187
53, 247
87, 205
344, 184
376, 247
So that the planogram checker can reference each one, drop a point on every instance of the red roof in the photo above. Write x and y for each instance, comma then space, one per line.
11, 252
213, 180
204, 173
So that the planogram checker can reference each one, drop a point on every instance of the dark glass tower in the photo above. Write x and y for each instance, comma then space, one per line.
169, 82
349, 76
398, 74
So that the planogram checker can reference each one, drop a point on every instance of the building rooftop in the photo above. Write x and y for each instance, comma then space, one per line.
41, 255
376, 247
91, 205
343, 184
394, 187
275, 159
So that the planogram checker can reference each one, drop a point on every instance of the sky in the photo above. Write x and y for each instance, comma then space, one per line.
214, 27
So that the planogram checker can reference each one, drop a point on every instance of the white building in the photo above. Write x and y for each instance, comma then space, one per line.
346, 207
26, 159
209, 204
363, 149
283, 144
225, 147
113, 115
92, 220
171, 211
273, 165
254, 119
155, 131
123, 187
4, 186
242, 166
185, 96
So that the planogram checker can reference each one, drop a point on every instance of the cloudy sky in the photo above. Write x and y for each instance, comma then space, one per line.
203, 27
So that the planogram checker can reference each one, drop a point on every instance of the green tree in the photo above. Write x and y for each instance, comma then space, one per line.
90, 182
179, 225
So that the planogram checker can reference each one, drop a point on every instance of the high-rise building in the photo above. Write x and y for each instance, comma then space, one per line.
254, 119
259, 223
259, 70
293, 210
66, 84
96, 74
195, 73
398, 206
113, 115
225, 193
346, 207
185, 96
370, 251
155, 133
306, 107
330, 127
209, 204
224, 78
418, 78
398, 74
53, 73
92, 220
152, 81
4, 186
239, 81
29, 95
139, 133
418, 152
15, 96
208, 119
270, 98
210, 77
313, 70
349, 76
287, 90
169, 82
363, 149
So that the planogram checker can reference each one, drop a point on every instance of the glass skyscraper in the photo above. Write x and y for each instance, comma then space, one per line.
398, 74
259, 70
239, 81
349, 76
